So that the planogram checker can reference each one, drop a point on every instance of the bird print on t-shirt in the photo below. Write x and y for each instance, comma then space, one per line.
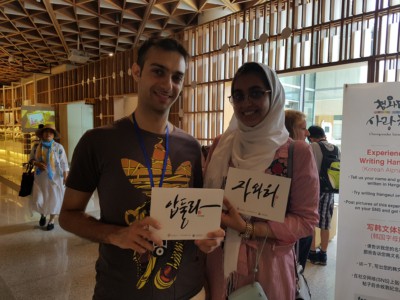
138, 176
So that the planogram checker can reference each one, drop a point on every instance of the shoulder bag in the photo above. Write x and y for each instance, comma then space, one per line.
27, 181
254, 290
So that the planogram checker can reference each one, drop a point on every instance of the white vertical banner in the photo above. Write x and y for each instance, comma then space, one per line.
368, 248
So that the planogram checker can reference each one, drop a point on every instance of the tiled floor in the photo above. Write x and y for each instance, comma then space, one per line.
40, 264
321, 279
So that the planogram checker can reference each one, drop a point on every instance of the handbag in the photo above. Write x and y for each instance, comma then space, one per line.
254, 290
27, 181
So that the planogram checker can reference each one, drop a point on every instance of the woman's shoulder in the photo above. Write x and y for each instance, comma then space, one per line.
298, 147
296, 144
302, 151
57, 144
283, 153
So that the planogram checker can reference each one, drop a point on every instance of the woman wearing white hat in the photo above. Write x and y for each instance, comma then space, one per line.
51, 173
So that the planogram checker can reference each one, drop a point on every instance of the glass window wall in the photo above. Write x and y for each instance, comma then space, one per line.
320, 96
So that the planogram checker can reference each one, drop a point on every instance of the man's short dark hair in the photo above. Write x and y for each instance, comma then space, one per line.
166, 44
316, 132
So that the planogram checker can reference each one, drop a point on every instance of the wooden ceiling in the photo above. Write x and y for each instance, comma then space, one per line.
36, 35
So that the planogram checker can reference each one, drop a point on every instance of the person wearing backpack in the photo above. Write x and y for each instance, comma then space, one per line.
326, 154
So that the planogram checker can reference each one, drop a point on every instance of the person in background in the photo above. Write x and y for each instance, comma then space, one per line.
257, 139
123, 161
296, 125
51, 172
318, 256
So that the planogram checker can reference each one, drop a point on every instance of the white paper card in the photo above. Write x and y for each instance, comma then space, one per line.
257, 194
186, 213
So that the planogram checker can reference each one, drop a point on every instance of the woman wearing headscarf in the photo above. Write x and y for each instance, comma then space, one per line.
51, 171
257, 139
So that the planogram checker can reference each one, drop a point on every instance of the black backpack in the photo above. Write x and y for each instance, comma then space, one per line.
330, 170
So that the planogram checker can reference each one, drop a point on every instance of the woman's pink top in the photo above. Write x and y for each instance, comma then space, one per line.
276, 270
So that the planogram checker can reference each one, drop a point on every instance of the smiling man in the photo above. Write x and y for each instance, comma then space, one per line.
123, 161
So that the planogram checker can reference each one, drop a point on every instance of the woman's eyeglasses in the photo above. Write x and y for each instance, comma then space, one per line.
254, 95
